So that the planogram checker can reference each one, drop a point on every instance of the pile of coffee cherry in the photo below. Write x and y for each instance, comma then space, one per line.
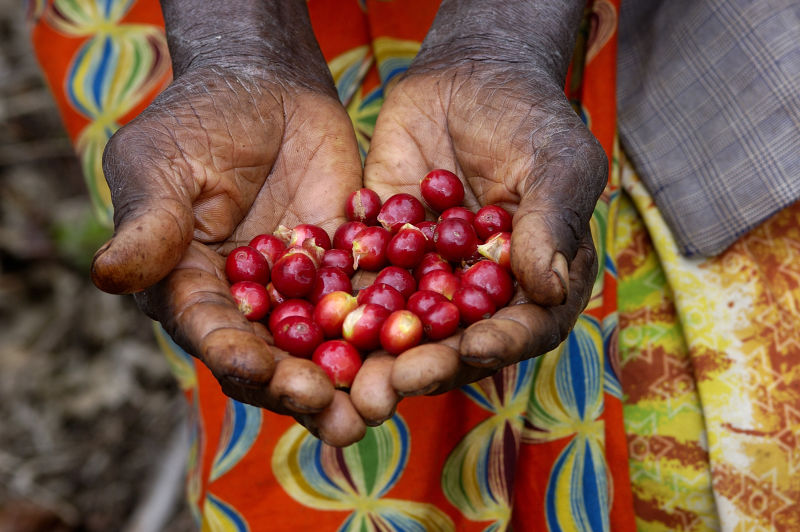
432, 277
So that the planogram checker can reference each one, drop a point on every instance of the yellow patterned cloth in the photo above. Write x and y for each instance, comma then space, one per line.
675, 399
710, 357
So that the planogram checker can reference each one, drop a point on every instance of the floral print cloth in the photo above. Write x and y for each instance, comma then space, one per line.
673, 405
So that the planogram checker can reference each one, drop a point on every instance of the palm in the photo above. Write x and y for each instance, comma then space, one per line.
246, 156
514, 142
493, 132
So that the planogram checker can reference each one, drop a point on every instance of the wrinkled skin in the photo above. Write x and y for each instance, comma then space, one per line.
221, 156
515, 141
224, 155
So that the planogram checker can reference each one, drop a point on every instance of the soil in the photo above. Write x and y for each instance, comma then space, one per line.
87, 403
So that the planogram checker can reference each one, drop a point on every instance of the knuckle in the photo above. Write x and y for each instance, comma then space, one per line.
116, 151
590, 251
571, 219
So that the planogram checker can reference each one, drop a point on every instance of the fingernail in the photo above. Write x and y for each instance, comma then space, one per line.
481, 362
100, 252
377, 422
422, 391
291, 404
559, 266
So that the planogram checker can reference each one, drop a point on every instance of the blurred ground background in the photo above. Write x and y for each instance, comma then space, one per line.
88, 408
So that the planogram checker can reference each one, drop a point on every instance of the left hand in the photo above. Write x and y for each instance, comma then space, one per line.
222, 155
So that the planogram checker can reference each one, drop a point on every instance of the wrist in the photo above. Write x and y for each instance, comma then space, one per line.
536, 35
263, 38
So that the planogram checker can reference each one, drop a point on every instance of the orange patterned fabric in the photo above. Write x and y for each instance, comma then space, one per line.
710, 357
666, 409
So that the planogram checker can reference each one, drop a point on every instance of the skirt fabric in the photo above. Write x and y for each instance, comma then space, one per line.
673, 405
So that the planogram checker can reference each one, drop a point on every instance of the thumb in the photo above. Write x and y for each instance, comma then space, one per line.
153, 220
555, 208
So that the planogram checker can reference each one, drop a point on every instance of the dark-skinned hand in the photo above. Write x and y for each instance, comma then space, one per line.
229, 151
221, 156
506, 129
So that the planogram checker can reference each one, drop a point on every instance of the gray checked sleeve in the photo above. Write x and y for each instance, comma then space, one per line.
709, 112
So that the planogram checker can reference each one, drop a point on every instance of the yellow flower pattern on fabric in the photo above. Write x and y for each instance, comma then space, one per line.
393, 56
738, 312
566, 395
565, 401
348, 70
219, 516
117, 66
355, 479
240, 429
479, 473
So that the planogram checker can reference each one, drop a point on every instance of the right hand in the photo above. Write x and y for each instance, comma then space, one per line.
222, 155
484, 98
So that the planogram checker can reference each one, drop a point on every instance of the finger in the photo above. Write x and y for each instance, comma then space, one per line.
397, 159
195, 307
339, 425
430, 369
300, 386
372, 393
153, 220
567, 176
525, 330
317, 167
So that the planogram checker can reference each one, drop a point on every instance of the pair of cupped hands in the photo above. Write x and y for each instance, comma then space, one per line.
234, 149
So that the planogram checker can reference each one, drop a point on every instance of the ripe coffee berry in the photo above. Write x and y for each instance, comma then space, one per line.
441, 189
298, 335
421, 302
339, 258
455, 239
362, 327
363, 206
401, 209
427, 227
330, 312
458, 212
383, 295
441, 320
497, 249
444, 282
402, 330
431, 262
309, 249
340, 360
247, 264
270, 246
369, 248
491, 278
300, 233
251, 298
275, 297
290, 307
294, 275
329, 280
346, 233
473, 304
490, 220
407, 247
398, 278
